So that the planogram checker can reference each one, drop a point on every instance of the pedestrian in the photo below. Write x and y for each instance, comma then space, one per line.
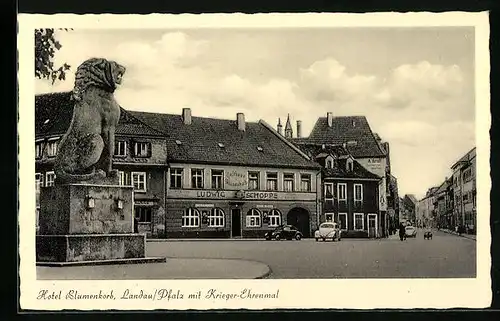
402, 234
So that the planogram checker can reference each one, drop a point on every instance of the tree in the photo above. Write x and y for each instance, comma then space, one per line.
46, 46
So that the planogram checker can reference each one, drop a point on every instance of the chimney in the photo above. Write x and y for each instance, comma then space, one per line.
186, 116
240, 121
299, 127
329, 119
280, 127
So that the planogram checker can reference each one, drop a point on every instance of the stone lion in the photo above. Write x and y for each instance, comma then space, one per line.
86, 150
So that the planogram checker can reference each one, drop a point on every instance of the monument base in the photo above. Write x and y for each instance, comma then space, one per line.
92, 249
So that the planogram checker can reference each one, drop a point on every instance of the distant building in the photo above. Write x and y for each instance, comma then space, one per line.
444, 198
464, 190
410, 205
426, 209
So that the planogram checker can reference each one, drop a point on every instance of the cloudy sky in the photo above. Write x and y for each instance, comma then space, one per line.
415, 85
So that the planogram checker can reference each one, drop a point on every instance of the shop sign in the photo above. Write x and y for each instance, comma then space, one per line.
236, 179
210, 194
204, 205
265, 206
261, 195
141, 202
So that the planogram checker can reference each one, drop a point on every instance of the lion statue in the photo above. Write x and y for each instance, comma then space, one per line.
86, 150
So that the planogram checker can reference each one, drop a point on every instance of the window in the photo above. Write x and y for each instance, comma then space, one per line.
467, 175
359, 223
139, 181
272, 181
305, 182
143, 214
288, 182
216, 218
465, 197
350, 165
343, 221
253, 218
124, 178
52, 148
217, 179
176, 178
253, 180
191, 218
38, 150
329, 192
38, 181
274, 218
358, 192
120, 148
329, 217
342, 192
197, 178
329, 163
142, 149
50, 178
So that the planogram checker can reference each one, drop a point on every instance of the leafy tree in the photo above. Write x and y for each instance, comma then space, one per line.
46, 46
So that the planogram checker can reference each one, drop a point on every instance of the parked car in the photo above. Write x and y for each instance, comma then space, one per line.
328, 230
410, 231
287, 232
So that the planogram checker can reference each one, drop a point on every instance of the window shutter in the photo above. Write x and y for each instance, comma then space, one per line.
248, 221
149, 149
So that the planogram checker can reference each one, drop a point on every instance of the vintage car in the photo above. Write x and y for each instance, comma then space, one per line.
410, 231
328, 231
287, 232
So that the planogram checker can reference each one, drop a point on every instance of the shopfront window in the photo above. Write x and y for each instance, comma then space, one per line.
191, 218
253, 218
359, 222
216, 218
274, 218
343, 221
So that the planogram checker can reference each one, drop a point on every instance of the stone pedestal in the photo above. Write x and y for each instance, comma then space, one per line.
88, 224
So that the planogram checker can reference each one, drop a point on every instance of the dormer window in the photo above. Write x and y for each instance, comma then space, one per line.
221, 145
46, 121
120, 148
142, 149
349, 165
52, 147
178, 142
260, 149
352, 143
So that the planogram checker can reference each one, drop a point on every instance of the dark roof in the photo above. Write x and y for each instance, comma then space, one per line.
258, 145
53, 113
343, 130
339, 152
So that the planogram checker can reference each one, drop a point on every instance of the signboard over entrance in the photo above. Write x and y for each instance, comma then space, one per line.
241, 195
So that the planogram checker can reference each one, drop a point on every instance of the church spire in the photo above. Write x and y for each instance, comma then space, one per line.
288, 128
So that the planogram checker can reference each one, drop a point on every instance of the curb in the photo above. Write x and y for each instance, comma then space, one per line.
142, 260
460, 235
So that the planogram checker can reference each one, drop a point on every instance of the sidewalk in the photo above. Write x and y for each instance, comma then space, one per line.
174, 268
468, 236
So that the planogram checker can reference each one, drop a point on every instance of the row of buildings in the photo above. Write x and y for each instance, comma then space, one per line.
452, 204
207, 177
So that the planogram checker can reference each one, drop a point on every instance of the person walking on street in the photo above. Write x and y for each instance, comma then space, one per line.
402, 234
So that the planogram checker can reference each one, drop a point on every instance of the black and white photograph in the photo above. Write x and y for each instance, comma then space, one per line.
231, 161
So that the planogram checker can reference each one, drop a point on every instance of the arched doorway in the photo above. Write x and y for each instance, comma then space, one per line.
299, 218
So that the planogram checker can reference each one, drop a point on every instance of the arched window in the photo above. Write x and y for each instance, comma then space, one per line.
274, 218
191, 218
216, 218
253, 218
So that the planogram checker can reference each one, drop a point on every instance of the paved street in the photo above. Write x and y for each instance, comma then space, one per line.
446, 255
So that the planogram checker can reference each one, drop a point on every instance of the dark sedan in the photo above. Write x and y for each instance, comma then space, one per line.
287, 232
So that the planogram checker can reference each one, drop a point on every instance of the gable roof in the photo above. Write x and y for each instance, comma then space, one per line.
53, 113
341, 153
201, 141
343, 130
464, 159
